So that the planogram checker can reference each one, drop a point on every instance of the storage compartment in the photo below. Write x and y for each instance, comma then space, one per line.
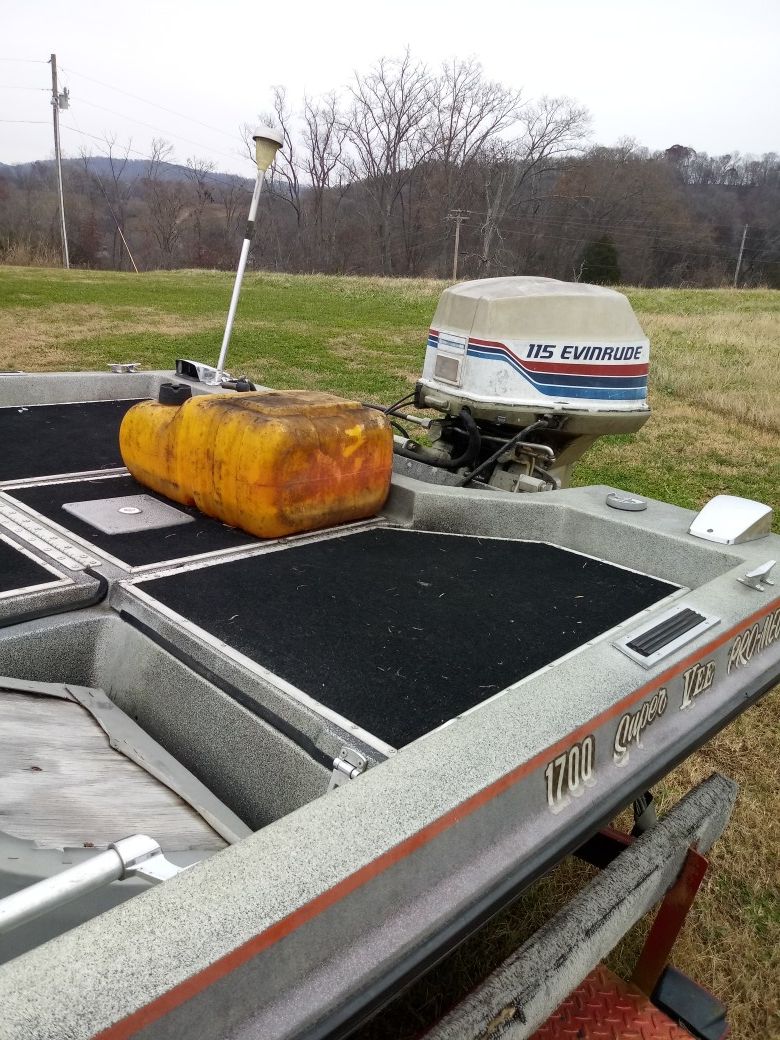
272, 464
397, 632
247, 762
130, 548
77, 775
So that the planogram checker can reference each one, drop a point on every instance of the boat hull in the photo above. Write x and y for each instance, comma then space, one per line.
305, 926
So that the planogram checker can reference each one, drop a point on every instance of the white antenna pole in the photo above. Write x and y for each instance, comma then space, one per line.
267, 142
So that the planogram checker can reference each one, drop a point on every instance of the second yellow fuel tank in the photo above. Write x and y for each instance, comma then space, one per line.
272, 463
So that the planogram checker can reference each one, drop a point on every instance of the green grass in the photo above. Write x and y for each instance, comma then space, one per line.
715, 377
715, 391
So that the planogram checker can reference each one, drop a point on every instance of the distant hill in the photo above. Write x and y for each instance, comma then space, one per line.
136, 169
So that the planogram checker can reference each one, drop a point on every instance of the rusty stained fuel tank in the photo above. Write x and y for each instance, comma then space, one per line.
272, 463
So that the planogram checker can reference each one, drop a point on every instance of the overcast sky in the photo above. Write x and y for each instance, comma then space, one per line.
702, 73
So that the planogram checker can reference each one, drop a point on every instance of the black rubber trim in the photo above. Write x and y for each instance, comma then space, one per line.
63, 608
306, 744
345, 1020
672, 628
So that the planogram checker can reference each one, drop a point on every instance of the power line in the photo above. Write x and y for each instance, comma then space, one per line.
26, 61
150, 126
216, 178
31, 122
662, 247
154, 104
642, 231
660, 199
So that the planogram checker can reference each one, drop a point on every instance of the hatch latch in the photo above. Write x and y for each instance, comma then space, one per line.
347, 766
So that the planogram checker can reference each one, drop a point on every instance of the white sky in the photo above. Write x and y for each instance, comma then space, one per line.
703, 73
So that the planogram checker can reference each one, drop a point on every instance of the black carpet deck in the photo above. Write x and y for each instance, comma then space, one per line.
139, 548
18, 571
60, 438
400, 631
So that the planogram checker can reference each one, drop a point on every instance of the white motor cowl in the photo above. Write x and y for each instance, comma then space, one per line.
509, 349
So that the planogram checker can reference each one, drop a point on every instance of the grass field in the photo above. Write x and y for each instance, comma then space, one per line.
715, 391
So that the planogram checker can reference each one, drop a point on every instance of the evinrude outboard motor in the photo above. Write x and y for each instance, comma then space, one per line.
528, 373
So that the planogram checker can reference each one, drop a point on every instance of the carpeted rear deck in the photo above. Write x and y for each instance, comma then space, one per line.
400, 631
18, 571
42, 440
141, 547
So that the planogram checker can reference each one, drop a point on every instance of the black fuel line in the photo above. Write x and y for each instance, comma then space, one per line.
431, 459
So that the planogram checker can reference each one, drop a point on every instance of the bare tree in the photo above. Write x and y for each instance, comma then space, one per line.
469, 112
551, 129
116, 209
284, 180
166, 202
387, 133
199, 172
233, 196
115, 190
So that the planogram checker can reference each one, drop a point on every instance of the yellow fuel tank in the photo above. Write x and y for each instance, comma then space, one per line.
272, 463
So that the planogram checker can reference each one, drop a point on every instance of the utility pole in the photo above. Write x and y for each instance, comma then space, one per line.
58, 100
741, 251
458, 215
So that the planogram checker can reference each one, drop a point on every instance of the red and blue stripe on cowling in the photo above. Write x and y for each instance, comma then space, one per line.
606, 382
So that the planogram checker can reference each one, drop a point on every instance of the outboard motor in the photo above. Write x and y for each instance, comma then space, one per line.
528, 373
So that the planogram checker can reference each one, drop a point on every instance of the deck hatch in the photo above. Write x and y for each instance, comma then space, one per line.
401, 631
54, 439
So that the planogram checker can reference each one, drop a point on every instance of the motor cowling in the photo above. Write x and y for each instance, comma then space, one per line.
511, 350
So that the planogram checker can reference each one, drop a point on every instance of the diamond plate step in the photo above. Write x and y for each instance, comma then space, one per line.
604, 1007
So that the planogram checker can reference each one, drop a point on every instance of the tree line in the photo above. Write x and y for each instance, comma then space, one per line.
378, 178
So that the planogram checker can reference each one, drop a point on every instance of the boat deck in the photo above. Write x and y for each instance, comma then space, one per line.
255, 665
60, 438
19, 571
400, 631
136, 548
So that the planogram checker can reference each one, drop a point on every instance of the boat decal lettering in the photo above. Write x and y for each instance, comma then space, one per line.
698, 678
757, 638
570, 773
633, 724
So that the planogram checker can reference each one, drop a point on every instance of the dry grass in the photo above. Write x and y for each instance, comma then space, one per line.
726, 362
45, 338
